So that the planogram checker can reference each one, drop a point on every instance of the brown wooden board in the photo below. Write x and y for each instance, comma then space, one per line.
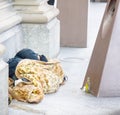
104, 67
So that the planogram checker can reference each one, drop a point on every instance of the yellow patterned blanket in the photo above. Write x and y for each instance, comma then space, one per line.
42, 77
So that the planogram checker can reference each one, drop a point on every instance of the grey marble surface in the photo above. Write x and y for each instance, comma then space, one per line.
70, 99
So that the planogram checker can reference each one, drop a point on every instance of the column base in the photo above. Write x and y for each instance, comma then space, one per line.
43, 38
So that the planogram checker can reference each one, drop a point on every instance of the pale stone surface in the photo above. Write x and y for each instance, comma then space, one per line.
35, 11
8, 17
3, 84
43, 38
3, 88
2, 49
55, 3
40, 26
12, 39
2, 0
28, 2
40, 18
10, 30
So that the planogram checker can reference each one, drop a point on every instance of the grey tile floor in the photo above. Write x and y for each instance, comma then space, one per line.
70, 99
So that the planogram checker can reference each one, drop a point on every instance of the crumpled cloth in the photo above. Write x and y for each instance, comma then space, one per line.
41, 77
23, 54
10, 85
27, 92
49, 74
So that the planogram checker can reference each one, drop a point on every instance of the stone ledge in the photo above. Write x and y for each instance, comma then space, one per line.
3, 88
39, 12
40, 18
29, 2
8, 17
2, 50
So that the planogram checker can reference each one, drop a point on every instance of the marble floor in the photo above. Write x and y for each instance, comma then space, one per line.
70, 99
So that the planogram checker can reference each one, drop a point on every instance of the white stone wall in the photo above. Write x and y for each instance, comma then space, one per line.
3, 84
10, 29
3, 88
40, 25
43, 38
13, 40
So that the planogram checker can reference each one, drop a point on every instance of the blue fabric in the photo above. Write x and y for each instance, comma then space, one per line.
27, 54
43, 58
51, 2
12, 66
23, 54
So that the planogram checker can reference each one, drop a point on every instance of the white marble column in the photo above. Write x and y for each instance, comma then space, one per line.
11, 38
3, 84
10, 29
40, 26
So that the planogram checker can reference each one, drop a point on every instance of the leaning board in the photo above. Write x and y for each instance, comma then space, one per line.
104, 67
